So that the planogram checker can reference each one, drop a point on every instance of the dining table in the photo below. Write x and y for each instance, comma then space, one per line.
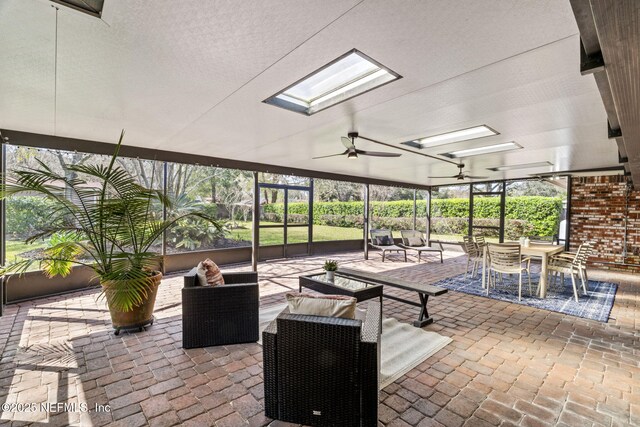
542, 250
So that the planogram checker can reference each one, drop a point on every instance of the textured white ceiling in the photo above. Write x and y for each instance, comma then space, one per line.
191, 76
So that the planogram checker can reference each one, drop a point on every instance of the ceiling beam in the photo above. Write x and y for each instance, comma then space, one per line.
71, 144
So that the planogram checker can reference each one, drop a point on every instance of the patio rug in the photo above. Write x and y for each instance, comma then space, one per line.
595, 306
403, 347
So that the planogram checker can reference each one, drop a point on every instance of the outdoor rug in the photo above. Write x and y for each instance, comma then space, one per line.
403, 346
595, 306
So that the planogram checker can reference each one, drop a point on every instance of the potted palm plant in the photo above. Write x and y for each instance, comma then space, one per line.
107, 221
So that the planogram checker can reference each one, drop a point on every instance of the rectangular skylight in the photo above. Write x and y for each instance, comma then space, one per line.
352, 74
521, 166
453, 136
90, 7
495, 148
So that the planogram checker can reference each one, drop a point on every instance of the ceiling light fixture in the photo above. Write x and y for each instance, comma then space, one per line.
495, 148
453, 136
521, 166
352, 74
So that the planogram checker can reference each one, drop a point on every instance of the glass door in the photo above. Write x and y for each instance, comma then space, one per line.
486, 211
285, 220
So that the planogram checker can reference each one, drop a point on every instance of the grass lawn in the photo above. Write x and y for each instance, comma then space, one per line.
15, 247
274, 236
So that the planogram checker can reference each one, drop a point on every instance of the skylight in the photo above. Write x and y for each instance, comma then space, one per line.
495, 148
453, 136
353, 74
522, 166
90, 7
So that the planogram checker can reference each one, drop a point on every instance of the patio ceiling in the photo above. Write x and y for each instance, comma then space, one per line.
191, 76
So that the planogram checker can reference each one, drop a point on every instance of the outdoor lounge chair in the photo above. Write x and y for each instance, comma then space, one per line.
323, 371
383, 240
220, 315
412, 240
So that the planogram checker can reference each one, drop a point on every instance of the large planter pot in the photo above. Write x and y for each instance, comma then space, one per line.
141, 315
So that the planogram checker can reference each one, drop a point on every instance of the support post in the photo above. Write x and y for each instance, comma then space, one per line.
3, 222
255, 240
567, 241
503, 200
470, 231
366, 222
310, 238
165, 181
428, 230
415, 209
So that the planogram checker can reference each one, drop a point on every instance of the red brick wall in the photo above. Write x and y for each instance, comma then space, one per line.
598, 214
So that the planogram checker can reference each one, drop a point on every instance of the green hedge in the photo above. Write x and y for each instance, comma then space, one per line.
533, 215
27, 214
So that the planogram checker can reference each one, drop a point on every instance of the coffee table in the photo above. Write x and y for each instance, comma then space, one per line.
361, 290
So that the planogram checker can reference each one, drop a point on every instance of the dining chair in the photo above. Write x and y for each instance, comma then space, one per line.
474, 257
571, 264
582, 261
480, 242
507, 259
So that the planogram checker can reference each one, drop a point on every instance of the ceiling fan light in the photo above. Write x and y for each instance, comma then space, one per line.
352, 155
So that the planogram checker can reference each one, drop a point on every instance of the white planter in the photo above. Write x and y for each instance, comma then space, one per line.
331, 275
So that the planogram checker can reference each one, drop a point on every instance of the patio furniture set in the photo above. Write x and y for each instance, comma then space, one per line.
382, 239
318, 370
514, 258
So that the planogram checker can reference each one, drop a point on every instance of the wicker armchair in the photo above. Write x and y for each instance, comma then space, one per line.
220, 315
323, 371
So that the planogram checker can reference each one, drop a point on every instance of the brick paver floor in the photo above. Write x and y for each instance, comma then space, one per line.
507, 365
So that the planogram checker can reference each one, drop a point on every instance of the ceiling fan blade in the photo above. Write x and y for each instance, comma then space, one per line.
442, 177
377, 153
330, 155
475, 177
347, 142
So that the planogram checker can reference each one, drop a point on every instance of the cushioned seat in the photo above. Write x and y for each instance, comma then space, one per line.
323, 371
220, 315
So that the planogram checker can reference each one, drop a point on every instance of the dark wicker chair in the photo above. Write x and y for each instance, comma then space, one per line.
220, 315
323, 371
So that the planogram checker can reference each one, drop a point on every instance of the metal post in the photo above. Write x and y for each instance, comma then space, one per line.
3, 253
503, 196
415, 209
165, 185
428, 230
366, 222
255, 241
470, 232
310, 238
285, 221
567, 242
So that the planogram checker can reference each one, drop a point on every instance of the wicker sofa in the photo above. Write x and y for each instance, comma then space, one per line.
323, 371
220, 315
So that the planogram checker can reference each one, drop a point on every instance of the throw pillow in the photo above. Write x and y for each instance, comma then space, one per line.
384, 241
212, 273
201, 273
322, 305
415, 241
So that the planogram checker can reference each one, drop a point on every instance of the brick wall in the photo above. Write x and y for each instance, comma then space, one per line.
598, 214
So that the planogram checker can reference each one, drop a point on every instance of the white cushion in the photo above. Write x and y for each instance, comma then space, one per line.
322, 305
415, 241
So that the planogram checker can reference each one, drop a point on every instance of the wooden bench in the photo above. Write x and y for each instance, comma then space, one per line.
423, 290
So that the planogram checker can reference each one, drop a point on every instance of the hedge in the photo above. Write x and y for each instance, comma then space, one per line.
27, 214
525, 215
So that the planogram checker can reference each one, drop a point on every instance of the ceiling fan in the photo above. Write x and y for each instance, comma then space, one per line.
461, 175
352, 152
